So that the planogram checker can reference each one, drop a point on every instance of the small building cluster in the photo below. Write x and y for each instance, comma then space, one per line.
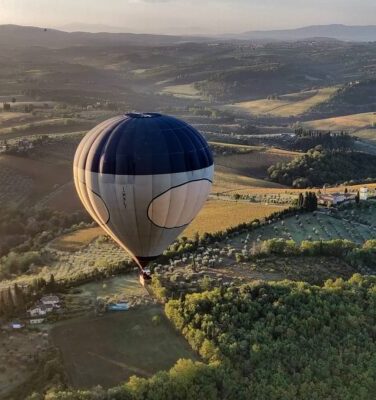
44, 306
333, 199
20, 146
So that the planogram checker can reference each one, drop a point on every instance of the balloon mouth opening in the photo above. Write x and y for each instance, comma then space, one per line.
144, 261
143, 115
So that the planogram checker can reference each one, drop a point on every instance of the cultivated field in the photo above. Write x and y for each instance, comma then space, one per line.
68, 264
110, 349
15, 188
247, 168
362, 125
254, 164
293, 104
355, 225
46, 175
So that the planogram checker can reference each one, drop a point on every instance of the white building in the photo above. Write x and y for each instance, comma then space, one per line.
363, 193
332, 199
36, 321
50, 300
37, 310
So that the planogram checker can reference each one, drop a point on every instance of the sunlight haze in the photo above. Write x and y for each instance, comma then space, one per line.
188, 17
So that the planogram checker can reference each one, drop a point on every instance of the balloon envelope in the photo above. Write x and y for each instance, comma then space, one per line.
143, 178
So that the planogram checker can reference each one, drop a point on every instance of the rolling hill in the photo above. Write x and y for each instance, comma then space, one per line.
25, 36
335, 31
293, 104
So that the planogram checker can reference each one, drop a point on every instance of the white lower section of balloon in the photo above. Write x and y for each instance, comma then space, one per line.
144, 213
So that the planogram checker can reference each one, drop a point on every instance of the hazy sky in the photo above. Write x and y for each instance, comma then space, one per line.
193, 16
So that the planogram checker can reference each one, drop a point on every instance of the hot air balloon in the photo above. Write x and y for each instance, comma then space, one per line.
143, 178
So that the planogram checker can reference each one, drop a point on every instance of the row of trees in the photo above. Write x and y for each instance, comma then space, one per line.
319, 167
14, 300
356, 255
308, 201
307, 139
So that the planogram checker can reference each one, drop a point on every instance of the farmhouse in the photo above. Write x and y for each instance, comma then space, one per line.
24, 145
332, 199
37, 310
51, 300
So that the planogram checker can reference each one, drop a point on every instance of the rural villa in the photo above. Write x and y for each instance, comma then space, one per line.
40, 309
333, 199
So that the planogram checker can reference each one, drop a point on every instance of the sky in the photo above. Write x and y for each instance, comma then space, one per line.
188, 16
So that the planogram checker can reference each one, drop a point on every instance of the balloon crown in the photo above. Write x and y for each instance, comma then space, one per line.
142, 115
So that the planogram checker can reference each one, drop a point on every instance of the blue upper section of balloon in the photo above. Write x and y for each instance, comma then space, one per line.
143, 144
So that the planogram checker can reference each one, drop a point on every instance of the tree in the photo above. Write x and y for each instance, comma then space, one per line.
300, 200
357, 198
51, 285
19, 298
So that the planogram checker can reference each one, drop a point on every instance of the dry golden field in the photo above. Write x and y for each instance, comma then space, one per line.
215, 216
218, 215
287, 105
76, 240
362, 125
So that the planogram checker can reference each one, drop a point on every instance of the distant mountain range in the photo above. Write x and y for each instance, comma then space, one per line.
26, 36
335, 31
340, 32
92, 28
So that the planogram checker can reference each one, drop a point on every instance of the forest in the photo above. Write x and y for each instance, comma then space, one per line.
277, 340
320, 166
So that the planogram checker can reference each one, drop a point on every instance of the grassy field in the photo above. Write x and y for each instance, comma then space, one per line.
82, 300
127, 285
187, 91
14, 118
108, 350
293, 104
